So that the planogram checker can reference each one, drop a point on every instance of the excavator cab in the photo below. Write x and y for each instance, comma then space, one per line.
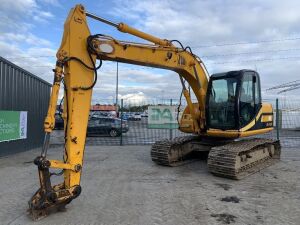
233, 100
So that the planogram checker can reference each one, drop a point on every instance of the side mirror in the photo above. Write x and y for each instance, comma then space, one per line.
254, 79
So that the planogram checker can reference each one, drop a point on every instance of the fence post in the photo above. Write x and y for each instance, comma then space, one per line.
277, 119
170, 130
121, 136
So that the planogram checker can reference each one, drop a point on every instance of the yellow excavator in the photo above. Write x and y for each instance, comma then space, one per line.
228, 108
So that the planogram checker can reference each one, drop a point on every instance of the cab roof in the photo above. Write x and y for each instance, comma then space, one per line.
230, 74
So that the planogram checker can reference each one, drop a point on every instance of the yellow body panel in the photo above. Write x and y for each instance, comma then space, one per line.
266, 108
247, 130
232, 134
76, 32
127, 29
268, 118
77, 101
56, 164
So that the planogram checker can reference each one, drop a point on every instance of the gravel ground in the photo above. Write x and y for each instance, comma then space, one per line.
121, 185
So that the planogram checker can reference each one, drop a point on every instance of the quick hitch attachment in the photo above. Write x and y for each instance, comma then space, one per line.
48, 199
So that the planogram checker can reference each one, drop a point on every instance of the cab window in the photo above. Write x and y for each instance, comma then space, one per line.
222, 103
249, 98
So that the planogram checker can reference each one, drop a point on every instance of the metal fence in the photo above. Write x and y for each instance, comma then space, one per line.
23, 91
289, 122
286, 111
139, 133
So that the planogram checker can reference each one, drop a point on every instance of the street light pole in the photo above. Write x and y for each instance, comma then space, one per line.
117, 88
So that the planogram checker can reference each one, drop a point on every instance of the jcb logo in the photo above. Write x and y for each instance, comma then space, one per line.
158, 114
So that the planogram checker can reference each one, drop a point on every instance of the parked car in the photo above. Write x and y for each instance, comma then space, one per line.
137, 116
101, 114
124, 116
106, 126
134, 116
144, 114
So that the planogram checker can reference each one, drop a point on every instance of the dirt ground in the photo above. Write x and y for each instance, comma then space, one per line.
121, 185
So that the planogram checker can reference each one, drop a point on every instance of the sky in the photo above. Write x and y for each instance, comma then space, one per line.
226, 35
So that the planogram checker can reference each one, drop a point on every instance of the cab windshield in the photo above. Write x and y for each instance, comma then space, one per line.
222, 104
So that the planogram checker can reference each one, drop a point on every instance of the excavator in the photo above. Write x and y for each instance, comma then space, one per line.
228, 110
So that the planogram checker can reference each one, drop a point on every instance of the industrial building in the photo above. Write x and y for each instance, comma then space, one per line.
24, 100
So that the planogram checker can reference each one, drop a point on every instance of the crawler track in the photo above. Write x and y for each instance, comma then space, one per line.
171, 152
242, 158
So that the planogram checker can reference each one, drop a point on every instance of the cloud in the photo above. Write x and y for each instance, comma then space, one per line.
50, 2
133, 80
31, 59
211, 21
18, 6
23, 38
195, 23
133, 98
20, 9
42, 16
19, 44
205, 23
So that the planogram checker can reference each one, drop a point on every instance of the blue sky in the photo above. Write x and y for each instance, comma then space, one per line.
251, 34
60, 10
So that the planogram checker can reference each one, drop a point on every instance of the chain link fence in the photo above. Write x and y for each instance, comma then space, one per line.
286, 122
289, 122
132, 114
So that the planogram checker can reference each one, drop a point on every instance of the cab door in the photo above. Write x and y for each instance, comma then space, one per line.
250, 99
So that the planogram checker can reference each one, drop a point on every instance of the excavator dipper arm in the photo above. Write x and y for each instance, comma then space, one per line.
76, 68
